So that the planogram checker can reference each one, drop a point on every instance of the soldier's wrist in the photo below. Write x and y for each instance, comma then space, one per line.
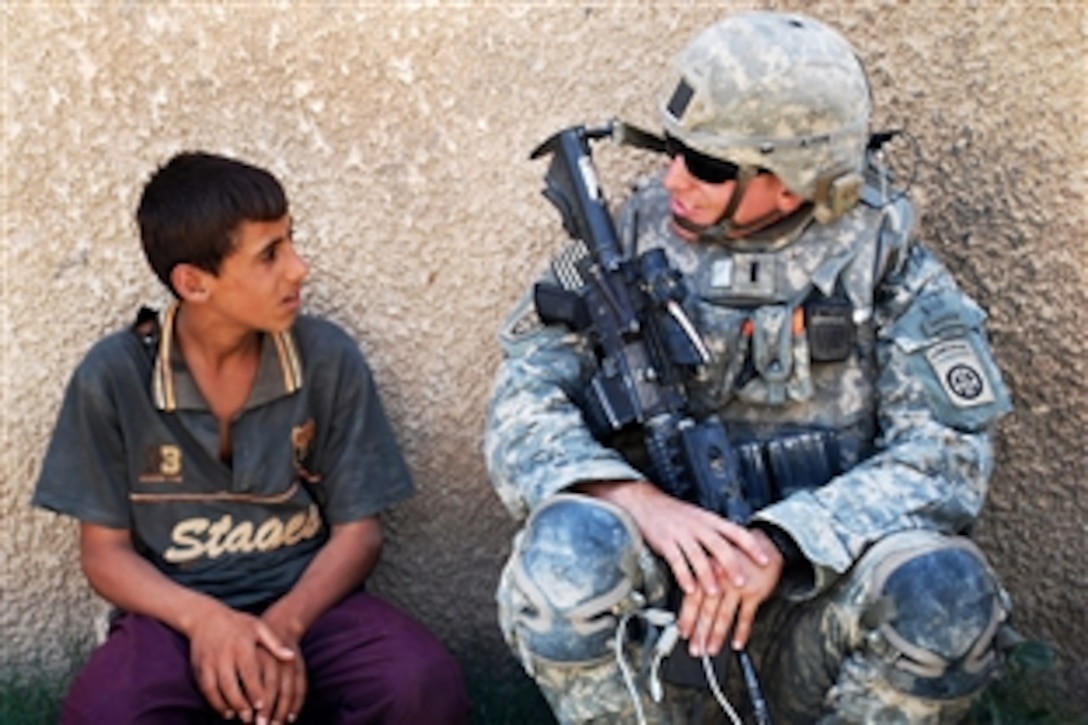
792, 556
612, 491
797, 572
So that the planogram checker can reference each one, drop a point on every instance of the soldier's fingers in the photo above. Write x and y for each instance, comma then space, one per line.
746, 617
727, 563
688, 615
698, 556
745, 540
678, 564
721, 621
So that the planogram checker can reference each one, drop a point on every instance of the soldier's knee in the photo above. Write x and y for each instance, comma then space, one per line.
574, 566
936, 612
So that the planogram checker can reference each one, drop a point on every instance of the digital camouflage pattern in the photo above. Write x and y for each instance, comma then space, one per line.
909, 404
913, 408
723, 84
799, 646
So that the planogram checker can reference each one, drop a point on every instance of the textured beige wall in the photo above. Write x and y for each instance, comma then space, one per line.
402, 135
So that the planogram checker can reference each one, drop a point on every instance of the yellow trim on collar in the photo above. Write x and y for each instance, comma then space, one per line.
289, 362
163, 380
164, 390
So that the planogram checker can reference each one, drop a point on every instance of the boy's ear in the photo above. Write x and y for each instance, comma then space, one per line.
190, 281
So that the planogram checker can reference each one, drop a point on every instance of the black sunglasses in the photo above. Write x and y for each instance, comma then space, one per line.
704, 168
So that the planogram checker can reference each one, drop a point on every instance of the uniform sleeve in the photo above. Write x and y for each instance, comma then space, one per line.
536, 441
939, 396
363, 470
84, 472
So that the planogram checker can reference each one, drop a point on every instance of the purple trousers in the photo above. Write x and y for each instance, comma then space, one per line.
367, 662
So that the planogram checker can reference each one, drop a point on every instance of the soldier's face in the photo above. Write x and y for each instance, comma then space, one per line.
703, 203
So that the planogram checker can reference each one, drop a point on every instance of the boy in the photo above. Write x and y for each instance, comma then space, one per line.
228, 462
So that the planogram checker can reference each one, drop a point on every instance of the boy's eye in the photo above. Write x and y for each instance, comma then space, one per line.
268, 254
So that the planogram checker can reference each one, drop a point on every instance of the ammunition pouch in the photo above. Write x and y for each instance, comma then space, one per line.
771, 470
799, 461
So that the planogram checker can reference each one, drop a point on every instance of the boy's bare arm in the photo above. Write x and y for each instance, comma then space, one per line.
229, 647
224, 643
337, 570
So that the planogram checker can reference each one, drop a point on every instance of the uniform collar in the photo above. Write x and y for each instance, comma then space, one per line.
279, 370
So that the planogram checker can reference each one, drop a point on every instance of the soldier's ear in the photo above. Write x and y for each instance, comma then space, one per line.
786, 201
190, 282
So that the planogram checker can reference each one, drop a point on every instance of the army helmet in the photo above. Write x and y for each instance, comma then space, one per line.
776, 91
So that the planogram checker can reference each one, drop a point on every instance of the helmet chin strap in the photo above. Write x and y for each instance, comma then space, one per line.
725, 229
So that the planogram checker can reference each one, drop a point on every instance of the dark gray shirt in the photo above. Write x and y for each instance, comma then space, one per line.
136, 447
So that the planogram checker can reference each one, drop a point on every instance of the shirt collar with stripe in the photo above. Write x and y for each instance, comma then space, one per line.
279, 370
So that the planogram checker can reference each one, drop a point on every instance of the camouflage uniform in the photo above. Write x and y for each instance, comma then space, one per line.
895, 621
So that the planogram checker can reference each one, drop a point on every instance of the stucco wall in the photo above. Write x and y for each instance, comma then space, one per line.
402, 135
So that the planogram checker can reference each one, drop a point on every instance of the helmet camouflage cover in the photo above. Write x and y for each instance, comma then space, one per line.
776, 91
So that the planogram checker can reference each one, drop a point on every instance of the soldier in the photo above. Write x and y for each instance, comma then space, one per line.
853, 376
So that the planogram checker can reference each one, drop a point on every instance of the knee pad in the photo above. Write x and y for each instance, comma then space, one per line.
936, 613
575, 568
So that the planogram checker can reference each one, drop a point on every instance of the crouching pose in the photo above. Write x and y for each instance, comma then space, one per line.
859, 393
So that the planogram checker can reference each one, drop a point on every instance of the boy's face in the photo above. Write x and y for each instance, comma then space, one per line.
259, 282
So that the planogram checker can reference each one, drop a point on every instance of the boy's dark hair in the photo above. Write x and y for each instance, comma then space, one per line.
191, 207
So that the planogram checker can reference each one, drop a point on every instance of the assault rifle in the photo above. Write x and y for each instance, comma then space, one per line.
646, 346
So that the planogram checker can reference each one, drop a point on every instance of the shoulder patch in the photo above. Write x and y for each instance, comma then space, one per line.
961, 373
944, 349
